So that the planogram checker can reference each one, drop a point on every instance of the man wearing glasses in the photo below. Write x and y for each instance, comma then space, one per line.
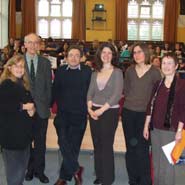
39, 73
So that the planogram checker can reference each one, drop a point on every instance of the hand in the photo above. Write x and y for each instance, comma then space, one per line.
146, 133
98, 112
28, 106
92, 114
178, 136
31, 112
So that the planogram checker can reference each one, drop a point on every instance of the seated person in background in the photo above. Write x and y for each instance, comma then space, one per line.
51, 46
157, 51
178, 50
166, 49
94, 47
125, 54
155, 61
181, 69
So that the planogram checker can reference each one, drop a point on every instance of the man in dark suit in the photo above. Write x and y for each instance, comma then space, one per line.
70, 93
39, 73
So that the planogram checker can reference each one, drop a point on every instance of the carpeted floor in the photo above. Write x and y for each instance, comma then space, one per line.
86, 160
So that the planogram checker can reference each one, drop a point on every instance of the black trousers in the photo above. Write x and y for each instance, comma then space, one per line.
38, 149
137, 154
103, 132
70, 129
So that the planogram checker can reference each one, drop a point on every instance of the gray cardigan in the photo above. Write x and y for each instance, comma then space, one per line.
112, 92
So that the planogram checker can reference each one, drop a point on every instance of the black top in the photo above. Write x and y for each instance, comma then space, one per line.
70, 89
15, 123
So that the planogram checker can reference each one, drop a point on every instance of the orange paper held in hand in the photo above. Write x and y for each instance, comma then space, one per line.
178, 148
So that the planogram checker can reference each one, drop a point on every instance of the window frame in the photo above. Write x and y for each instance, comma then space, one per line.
49, 19
150, 20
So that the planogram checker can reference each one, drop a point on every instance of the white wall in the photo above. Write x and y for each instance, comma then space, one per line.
3, 23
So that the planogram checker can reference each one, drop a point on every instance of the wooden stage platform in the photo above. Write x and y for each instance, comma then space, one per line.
119, 143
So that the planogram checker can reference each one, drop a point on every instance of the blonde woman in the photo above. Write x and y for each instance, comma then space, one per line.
16, 110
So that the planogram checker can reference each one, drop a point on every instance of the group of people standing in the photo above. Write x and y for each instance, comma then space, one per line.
26, 85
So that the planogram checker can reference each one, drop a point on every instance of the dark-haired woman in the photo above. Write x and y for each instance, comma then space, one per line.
104, 93
168, 120
16, 110
139, 81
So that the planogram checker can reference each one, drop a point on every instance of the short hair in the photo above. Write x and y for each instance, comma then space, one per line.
26, 37
75, 47
145, 50
98, 62
171, 55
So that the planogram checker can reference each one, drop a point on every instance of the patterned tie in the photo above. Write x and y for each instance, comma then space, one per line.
32, 72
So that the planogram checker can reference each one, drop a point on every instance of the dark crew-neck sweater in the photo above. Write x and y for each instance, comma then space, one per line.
70, 89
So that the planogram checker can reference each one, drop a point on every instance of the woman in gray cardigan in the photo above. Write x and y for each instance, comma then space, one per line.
103, 98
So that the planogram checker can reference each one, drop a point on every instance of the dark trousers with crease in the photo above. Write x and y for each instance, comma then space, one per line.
70, 128
137, 154
103, 132
38, 149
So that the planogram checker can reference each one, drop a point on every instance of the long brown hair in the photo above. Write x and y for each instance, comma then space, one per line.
8, 75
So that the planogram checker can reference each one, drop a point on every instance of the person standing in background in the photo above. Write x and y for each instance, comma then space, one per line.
139, 81
16, 119
70, 94
104, 93
40, 78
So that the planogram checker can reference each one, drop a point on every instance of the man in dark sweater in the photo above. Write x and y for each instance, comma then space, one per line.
70, 92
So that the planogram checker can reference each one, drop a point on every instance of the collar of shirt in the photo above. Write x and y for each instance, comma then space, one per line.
71, 67
35, 61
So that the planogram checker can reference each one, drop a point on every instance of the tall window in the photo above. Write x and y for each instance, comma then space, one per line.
3, 23
145, 19
54, 18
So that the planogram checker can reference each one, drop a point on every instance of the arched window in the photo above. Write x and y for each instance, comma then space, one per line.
145, 19
51, 17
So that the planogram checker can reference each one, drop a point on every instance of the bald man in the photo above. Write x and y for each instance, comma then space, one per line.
39, 73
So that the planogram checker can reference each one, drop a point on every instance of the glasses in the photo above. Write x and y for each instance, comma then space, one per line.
33, 43
137, 52
18, 66
74, 56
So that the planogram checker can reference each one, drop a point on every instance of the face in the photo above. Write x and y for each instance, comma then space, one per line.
17, 69
156, 62
139, 55
106, 55
158, 50
23, 49
168, 66
32, 44
73, 57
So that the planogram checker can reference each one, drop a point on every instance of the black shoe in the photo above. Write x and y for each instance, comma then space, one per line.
97, 182
42, 177
29, 176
